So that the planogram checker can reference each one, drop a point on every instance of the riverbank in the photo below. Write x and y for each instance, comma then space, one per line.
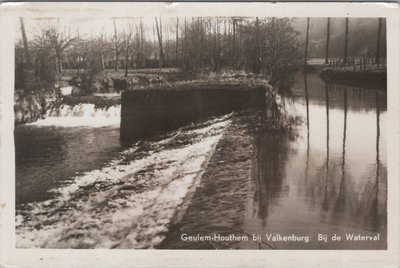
108, 81
35, 101
347, 75
29, 106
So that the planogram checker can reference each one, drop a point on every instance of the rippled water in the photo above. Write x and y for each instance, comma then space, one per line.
47, 157
49, 152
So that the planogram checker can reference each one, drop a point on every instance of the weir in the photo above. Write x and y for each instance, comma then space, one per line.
147, 112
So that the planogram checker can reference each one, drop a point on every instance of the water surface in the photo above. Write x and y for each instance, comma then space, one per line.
330, 179
48, 157
328, 176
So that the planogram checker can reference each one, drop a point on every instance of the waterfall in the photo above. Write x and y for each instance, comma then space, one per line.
129, 203
83, 114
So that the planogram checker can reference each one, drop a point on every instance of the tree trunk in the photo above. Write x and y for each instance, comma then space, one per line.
127, 56
116, 47
200, 48
159, 35
346, 40
102, 62
234, 38
58, 65
378, 42
142, 45
258, 54
25, 41
177, 40
61, 62
306, 49
138, 50
328, 32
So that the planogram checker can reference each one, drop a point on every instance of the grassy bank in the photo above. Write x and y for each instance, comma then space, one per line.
375, 79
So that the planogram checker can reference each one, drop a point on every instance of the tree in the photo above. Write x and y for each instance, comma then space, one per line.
142, 45
177, 40
328, 32
25, 42
346, 36
127, 38
281, 56
57, 40
160, 42
258, 47
117, 42
23, 66
306, 49
378, 41
44, 63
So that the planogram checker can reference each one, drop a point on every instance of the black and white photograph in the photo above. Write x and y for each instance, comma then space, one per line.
200, 132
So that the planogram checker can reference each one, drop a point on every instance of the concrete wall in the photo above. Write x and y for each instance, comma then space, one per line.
153, 111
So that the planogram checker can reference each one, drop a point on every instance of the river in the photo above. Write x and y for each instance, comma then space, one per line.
328, 177
77, 186
332, 178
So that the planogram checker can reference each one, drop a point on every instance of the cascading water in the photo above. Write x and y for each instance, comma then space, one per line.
83, 114
129, 202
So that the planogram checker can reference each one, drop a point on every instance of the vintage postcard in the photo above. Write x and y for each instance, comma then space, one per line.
199, 134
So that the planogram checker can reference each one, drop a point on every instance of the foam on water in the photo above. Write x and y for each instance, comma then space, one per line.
131, 202
84, 114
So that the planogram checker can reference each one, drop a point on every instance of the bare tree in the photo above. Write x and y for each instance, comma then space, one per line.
328, 33
378, 41
306, 49
57, 41
234, 36
259, 46
117, 42
160, 42
25, 42
177, 40
346, 37
142, 45
127, 39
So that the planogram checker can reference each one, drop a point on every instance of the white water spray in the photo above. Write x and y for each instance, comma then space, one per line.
84, 114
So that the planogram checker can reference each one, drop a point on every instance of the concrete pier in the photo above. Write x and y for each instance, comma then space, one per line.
146, 112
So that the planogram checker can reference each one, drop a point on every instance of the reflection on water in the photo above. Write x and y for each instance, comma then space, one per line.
332, 179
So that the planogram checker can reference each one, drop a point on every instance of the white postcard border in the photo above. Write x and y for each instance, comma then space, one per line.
10, 256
